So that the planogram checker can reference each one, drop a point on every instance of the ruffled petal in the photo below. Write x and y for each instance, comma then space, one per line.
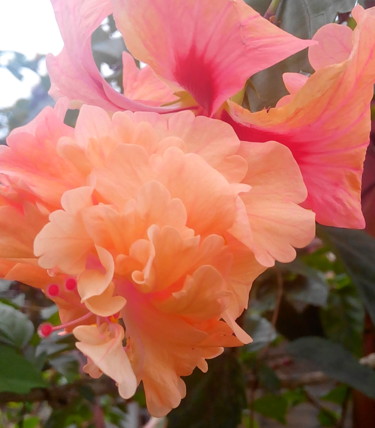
326, 125
209, 50
63, 243
163, 347
277, 223
32, 158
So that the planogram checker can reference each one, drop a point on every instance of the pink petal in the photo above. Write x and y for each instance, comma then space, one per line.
335, 42
294, 81
326, 125
144, 85
73, 72
208, 49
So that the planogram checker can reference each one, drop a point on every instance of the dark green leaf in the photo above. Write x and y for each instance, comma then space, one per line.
336, 362
259, 5
343, 317
16, 373
272, 406
15, 328
214, 399
268, 378
311, 287
357, 251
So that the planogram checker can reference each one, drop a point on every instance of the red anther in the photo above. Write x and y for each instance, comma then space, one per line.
53, 290
45, 329
70, 284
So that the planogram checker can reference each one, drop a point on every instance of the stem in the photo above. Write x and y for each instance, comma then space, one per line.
341, 421
279, 296
272, 8
315, 402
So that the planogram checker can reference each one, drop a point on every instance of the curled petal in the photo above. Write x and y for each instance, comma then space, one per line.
326, 126
97, 276
63, 242
73, 72
105, 304
144, 85
208, 50
335, 43
103, 345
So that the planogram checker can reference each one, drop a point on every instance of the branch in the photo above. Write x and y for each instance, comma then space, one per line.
61, 395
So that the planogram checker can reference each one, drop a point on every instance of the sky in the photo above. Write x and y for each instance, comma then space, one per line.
29, 27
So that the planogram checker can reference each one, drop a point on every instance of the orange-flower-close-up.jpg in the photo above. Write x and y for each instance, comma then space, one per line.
148, 221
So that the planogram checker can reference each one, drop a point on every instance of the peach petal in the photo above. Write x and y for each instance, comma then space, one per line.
94, 280
105, 304
203, 296
103, 345
165, 347
277, 222
63, 242
211, 209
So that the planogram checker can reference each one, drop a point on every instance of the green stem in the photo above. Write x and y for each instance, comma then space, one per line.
272, 8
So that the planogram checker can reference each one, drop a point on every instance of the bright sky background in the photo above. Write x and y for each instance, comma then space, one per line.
29, 27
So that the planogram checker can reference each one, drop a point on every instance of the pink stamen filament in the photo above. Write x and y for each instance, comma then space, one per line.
46, 329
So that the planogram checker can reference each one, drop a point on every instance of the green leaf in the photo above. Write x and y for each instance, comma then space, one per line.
327, 418
337, 395
294, 397
336, 362
16, 373
15, 328
272, 406
356, 249
31, 422
214, 399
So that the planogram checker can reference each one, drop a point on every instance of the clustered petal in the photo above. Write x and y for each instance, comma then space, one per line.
159, 231
147, 225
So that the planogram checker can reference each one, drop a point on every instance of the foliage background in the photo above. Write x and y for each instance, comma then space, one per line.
312, 320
